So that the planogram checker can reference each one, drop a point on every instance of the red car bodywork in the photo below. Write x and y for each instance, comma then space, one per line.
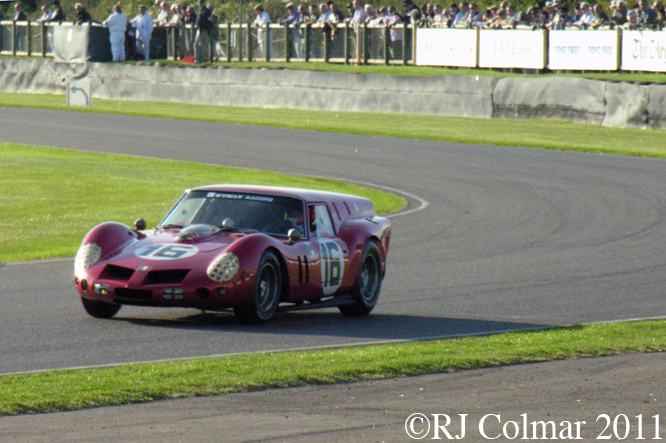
174, 266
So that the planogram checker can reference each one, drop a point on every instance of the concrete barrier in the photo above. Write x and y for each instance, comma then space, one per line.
562, 98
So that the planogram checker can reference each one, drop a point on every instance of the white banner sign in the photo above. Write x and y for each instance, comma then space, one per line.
644, 51
446, 47
583, 50
511, 49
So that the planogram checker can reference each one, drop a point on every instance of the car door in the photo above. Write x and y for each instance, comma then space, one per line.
322, 263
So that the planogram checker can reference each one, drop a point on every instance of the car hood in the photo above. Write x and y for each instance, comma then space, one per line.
164, 249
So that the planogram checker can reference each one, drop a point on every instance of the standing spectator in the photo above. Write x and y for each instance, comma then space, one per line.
263, 33
325, 15
412, 13
466, 18
455, 16
647, 17
619, 12
293, 19
658, 7
82, 16
586, 17
46, 15
144, 30
204, 30
305, 15
600, 17
19, 15
164, 16
21, 33
475, 16
359, 15
370, 16
176, 18
314, 13
117, 24
395, 34
632, 21
338, 16
190, 16
439, 20
58, 14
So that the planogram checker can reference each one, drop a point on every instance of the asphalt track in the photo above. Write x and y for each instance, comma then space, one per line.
509, 238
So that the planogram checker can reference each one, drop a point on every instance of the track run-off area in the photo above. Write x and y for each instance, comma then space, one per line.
494, 239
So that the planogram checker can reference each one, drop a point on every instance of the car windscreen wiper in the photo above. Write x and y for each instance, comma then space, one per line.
170, 226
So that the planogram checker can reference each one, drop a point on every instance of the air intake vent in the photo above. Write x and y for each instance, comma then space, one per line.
117, 273
170, 277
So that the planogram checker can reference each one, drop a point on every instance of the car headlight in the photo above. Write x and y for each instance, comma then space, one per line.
88, 255
223, 268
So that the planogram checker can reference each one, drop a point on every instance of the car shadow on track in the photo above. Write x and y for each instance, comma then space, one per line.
374, 327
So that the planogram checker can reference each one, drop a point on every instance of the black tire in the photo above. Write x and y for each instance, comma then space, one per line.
100, 309
368, 283
266, 294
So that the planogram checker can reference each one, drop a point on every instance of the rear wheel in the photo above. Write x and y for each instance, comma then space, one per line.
266, 295
368, 283
100, 309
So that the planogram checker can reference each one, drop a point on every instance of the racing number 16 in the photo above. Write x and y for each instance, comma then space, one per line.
330, 256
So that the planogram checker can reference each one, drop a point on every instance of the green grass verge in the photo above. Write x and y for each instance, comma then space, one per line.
50, 198
548, 134
76, 389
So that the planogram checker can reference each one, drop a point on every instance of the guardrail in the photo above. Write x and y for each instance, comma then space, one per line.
534, 49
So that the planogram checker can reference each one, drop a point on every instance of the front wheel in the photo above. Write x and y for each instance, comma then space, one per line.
266, 294
100, 309
368, 283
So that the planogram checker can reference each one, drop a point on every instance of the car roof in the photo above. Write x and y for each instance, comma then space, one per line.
309, 195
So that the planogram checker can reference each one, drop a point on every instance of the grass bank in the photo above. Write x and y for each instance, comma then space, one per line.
50, 198
67, 390
546, 134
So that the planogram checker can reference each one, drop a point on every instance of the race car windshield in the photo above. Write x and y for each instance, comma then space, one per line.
268, 214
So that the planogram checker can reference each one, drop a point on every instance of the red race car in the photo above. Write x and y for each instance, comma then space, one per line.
249, 248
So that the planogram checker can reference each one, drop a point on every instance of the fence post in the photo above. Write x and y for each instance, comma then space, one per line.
14, 35
29, 37
387, 42
619, 48
45, 39
413, 44
249, 42
268, 41
346, 51
175, 39
308, 42
240, 40
366, 44
404, 43
287, 43
546, 47
228, 42
327, 40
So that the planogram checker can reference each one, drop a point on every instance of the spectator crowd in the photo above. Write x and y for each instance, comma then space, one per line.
553, 14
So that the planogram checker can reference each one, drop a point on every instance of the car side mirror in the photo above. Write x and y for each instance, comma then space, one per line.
294, 234
140, 224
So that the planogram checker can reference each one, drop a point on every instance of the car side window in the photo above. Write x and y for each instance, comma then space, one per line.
320, 221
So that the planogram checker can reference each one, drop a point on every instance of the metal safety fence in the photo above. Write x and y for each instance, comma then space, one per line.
233, 42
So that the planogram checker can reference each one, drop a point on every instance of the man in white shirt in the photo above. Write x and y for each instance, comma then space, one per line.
263, 35
144, 30
46, 15
117, 24
586, 16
